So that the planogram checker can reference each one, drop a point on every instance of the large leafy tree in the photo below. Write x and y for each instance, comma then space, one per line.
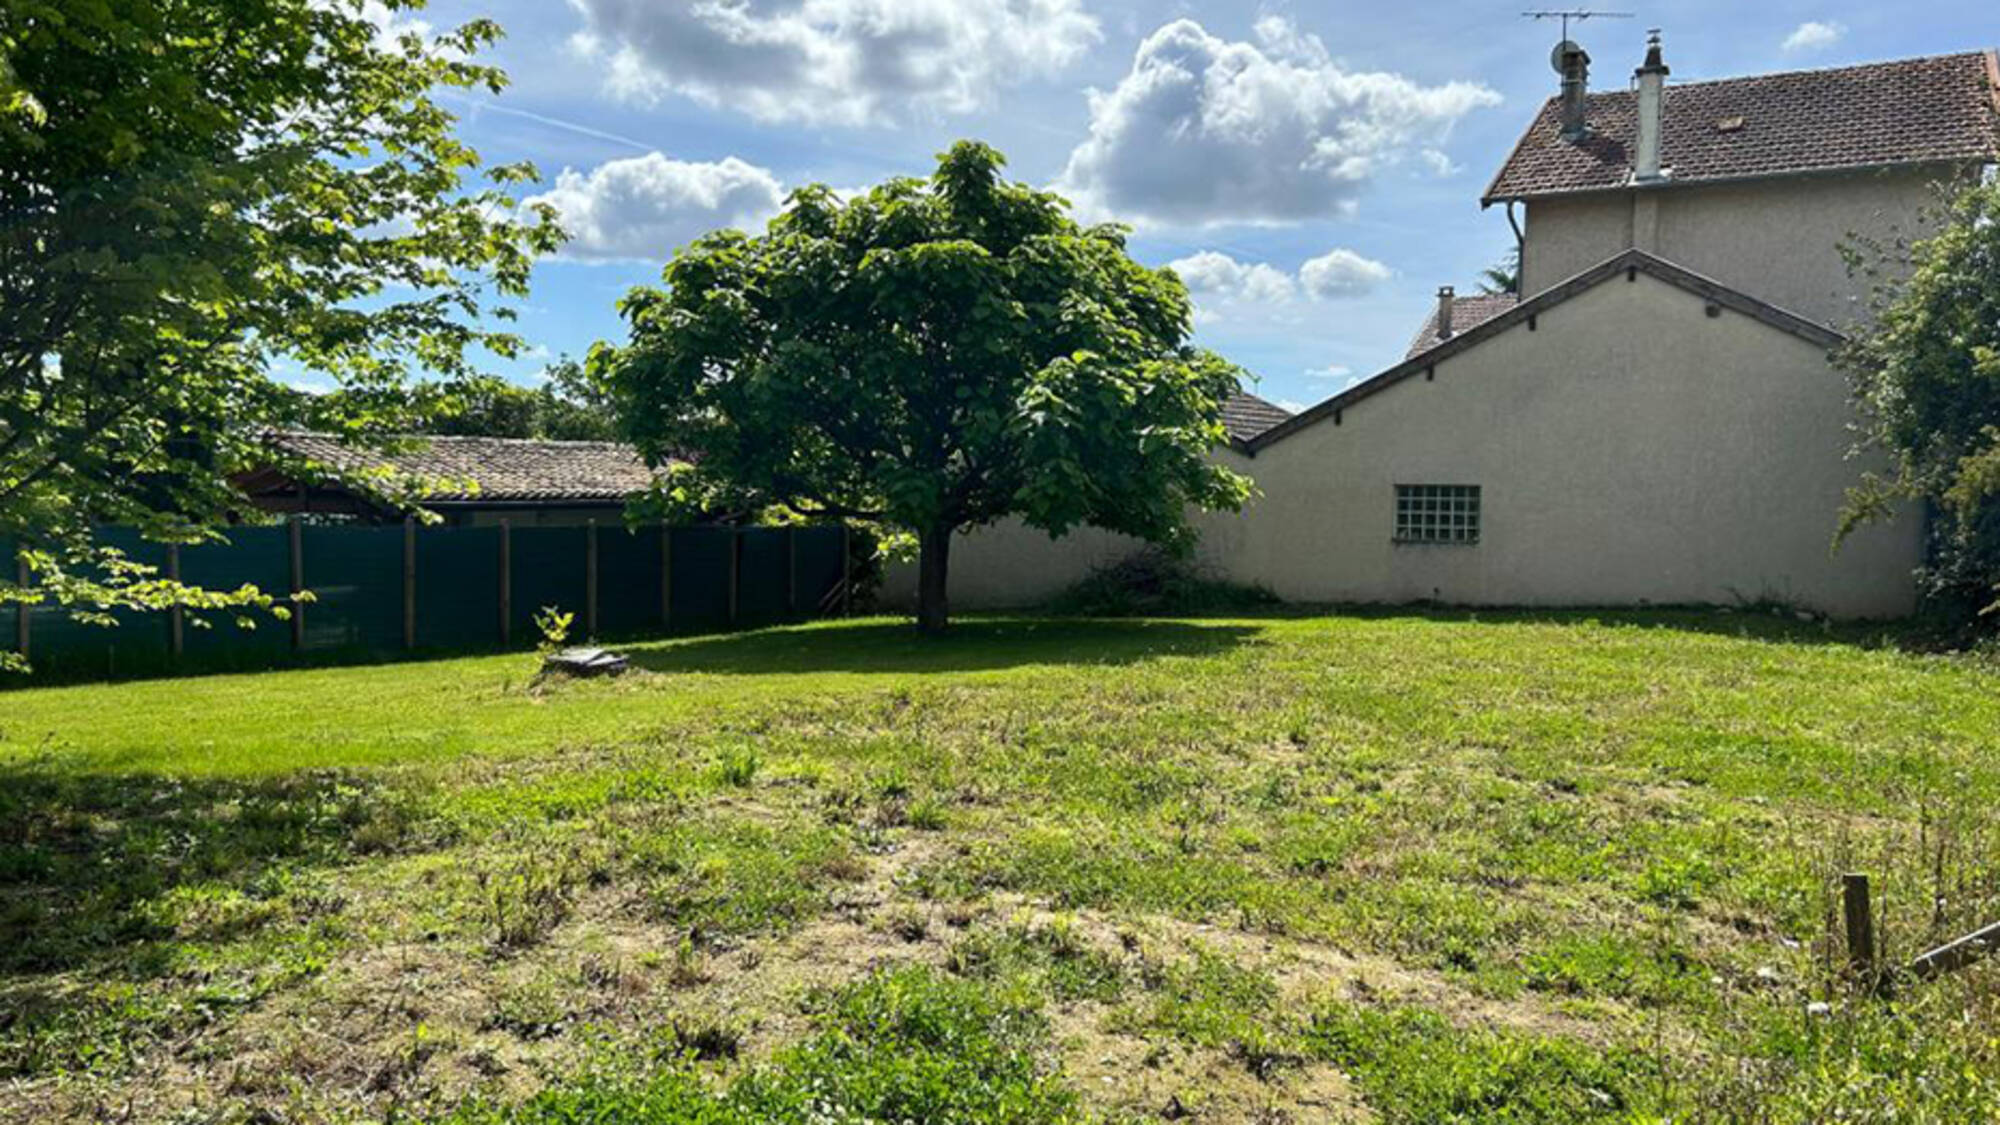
194, 193
933, 355
1926, 379
565, 406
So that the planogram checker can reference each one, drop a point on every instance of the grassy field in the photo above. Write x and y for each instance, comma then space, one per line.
1408, 868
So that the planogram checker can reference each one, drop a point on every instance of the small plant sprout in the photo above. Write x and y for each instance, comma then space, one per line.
554, 626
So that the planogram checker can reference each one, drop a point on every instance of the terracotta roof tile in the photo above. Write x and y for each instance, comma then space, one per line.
1931, 110
503, 468
1245, 416
1466, 312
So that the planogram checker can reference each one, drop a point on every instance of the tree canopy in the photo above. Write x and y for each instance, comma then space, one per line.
195, 193
931, 354
564, 406
1503, 276
1926, 379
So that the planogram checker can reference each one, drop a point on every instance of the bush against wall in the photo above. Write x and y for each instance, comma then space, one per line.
1926, 384
1155, 581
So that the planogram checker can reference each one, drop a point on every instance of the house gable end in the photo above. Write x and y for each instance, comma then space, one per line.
1630, 262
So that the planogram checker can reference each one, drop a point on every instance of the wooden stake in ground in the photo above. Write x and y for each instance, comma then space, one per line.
1860, 925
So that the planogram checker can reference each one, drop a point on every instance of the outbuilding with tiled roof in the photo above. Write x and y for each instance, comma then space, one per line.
470, 480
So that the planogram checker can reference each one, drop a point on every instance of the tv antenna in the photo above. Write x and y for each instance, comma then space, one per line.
1577, 14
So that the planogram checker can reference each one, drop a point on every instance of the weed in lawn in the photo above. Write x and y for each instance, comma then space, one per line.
719, 881
739, 768
522, 900
927, 814
538, 1008
1211, 1001
910, 1045
1416, 1068
1052, 958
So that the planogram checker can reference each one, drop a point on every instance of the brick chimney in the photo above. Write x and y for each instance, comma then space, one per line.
1575, 67
1652, 82
1445, 298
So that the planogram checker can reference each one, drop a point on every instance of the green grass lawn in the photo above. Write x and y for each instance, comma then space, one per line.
1396, 867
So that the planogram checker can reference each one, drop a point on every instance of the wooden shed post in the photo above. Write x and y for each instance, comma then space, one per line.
176, 616
590, 580
506, 582
666, 576
735, 568
23, 612
846, 571
409, 581
298, 543
791, 570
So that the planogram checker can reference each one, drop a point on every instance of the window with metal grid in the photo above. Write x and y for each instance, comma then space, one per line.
1437, 513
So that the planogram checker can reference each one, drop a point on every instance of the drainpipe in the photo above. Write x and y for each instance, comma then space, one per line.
1520, 251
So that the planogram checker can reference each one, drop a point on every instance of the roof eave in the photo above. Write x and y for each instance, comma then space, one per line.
1493, 185
1659, 268
1667, 182
468, 502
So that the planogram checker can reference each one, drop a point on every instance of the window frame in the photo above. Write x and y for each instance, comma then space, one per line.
1437, 515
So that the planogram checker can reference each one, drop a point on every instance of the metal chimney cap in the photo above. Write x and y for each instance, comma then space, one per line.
1654, 64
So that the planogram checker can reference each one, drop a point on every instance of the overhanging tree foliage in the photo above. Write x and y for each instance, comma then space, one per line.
194, 191
934, 355
1926, 380
566, 406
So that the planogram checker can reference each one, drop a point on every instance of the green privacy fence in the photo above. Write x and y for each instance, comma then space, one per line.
382, 590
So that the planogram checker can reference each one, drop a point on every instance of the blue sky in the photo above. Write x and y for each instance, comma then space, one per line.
1314, 167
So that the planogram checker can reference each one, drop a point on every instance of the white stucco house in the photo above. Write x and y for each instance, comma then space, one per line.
1653, 419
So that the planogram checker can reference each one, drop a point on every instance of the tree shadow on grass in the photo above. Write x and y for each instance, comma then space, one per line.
971, 645
116, 878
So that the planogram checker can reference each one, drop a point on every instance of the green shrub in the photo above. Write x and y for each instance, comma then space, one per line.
1156, 582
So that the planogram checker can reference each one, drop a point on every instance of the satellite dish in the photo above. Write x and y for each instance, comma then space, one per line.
1566, 47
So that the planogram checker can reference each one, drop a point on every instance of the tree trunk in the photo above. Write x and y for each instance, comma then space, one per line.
933, 560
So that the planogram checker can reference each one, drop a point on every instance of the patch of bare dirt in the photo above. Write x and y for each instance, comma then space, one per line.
424, 1023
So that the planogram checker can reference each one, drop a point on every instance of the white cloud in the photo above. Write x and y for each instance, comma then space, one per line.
1341, 273
1204, 130
1223, 286
392, 24
1813, 35
845, 62
1212, 273
1331, 371
647, 206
